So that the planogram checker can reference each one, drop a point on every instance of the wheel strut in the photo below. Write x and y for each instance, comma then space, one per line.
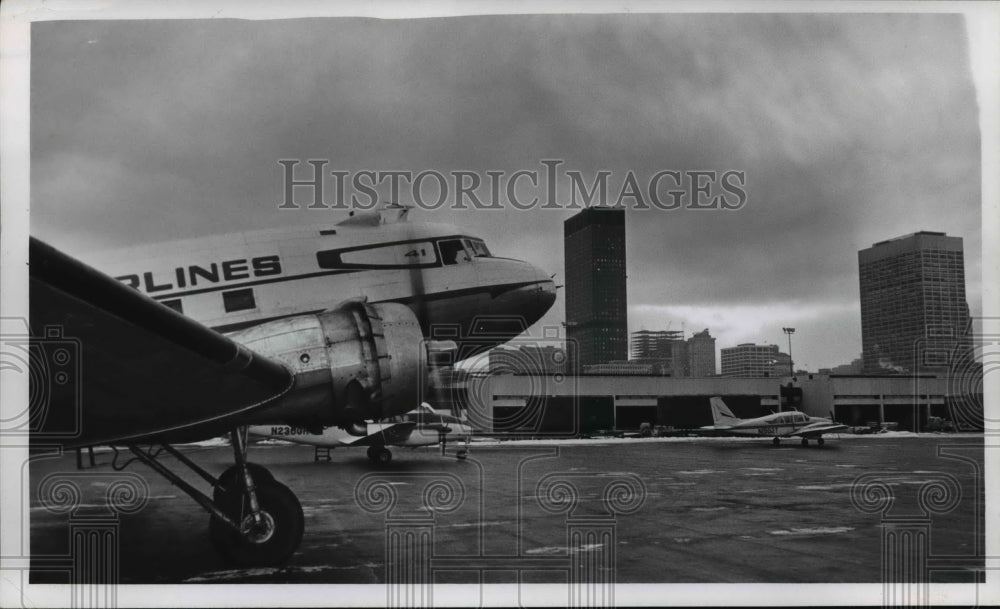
249, 489
182, 484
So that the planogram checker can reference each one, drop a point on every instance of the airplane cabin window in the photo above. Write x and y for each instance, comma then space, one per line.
239, 300
453, 251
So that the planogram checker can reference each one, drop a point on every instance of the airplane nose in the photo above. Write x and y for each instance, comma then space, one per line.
539, 296
530, 296
546, 295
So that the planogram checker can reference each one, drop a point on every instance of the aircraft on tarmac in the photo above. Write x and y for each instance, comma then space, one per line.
423, 426
309, 327
447, 277
777, 425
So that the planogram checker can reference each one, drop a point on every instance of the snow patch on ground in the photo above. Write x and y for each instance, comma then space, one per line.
813, 531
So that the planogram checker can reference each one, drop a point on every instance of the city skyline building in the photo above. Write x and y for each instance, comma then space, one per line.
653, 344
701, 354
596, 296
674, 355
753, 360
914, 314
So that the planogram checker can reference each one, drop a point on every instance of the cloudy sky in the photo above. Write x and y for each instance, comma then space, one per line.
850, 129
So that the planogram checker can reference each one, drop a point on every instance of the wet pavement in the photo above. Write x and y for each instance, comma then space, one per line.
650, 511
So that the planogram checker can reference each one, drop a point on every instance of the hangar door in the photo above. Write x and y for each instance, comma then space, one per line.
596, 412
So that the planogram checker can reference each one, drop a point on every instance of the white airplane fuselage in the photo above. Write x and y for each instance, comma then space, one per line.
456, 288
779, 424
776, 425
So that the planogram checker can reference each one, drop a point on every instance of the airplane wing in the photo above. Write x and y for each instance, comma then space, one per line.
117, 366
394, 434
820, 429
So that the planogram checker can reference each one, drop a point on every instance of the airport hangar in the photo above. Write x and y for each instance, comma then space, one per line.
559, 404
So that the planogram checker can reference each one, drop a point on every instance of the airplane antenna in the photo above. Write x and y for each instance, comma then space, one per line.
404, 210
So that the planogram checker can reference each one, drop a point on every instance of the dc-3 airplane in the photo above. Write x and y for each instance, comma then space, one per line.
422, 426
308, 327
777, 425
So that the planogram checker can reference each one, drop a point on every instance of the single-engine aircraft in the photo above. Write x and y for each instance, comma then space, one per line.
310, 327
776, 425
422, 426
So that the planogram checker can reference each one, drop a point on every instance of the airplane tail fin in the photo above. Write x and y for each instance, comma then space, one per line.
721, 415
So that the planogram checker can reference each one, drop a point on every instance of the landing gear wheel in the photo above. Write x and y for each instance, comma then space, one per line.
379, 454
230, 479
805, 441
462, 454
820, 441
776, 441
273, 540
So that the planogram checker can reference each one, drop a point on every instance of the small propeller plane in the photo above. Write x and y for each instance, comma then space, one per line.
423, 426
777, 425
307, 327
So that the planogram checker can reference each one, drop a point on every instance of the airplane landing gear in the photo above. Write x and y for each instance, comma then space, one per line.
379, 454
263, 522
255, 520
805, 441
820, 441
269, 536
776, 441
230, 479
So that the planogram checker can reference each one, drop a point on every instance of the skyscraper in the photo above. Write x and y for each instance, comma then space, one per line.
596, 302
913, 308
701, 354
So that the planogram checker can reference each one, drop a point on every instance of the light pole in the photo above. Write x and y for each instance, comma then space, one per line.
791, 366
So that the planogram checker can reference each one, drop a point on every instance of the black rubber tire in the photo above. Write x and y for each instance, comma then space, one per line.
776, 441
805, 441
383, 456
229, 480
373, 453
820, 441
284, 509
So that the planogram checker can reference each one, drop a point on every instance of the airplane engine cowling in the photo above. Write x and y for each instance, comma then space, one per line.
356, 362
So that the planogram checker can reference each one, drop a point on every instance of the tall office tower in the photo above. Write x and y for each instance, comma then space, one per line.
914, 316
751, 360
596, 302
701, 354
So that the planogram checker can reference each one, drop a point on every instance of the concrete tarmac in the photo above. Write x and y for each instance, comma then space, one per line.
654, 511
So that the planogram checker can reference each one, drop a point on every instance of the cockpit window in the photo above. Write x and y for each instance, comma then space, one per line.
453, 251
478, 248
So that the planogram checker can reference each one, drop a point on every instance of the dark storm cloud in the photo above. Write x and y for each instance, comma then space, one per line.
850, 128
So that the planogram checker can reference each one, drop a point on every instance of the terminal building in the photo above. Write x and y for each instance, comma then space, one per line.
565, 405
